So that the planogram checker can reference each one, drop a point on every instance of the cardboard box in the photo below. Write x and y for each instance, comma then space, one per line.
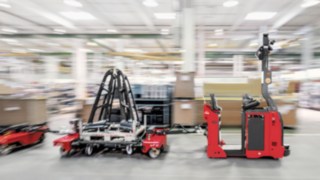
6, 90
184, 85
184, 112
17, 111
253, 87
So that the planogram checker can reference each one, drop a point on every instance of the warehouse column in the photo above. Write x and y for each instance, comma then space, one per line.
51, 68
237, 65
201, 55
188, 36
79, 65
307, 49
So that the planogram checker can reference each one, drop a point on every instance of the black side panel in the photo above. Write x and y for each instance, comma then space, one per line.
256, 133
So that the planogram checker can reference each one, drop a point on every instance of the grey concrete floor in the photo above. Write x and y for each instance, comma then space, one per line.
185, 160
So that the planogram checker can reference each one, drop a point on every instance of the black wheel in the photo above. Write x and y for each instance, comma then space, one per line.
89, 150
129, 149
6, 149
64, 153
41, 139
154, 153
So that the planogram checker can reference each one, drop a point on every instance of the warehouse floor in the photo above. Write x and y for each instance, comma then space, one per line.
186, 160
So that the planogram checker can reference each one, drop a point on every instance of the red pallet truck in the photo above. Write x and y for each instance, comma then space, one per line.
262, 128
130, 134
21, 135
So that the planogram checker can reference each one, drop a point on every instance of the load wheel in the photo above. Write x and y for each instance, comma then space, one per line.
154, 153
129, 149
41, 139
6, 149
64, 153
89, 150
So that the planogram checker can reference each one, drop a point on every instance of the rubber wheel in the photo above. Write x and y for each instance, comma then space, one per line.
154, 153
88, 150
64, 153
5, 150
129, 149
41, 139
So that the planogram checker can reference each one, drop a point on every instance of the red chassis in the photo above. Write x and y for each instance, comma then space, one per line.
22, 135
272, 136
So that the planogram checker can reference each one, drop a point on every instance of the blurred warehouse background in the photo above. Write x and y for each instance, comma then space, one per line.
53, 53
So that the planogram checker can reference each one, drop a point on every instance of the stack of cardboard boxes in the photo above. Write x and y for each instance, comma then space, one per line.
184, 105
20, 110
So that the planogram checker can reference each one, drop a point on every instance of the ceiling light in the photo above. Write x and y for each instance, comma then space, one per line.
92, 44
53, 44
8, 40
218, 32
253, 44
15, 50
133, 50
9, 30
59, 31
73, 3
165, 15
15, 43
165, 31
150, 3
212, 45
309, 3
78, 15
112, 30
260, 16
5, 5
230, 3
35, 50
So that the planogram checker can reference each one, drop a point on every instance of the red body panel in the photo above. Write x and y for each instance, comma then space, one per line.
65, 141
272, 136
273, 145
214, 149
22, 138
154, 141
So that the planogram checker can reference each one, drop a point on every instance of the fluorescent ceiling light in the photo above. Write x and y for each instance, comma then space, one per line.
8, 40
92, 44
15, 43
73, 3
78, 15
309, 3
150, 3
60, 31
15, 50
164, 31
218, 32
260, 16
112, 30
9, 30
212, 45
5, 5
165, 15
134, 50
35, 50
253, 44
53, 44
230, 3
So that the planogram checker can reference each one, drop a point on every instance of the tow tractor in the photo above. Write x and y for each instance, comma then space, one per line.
129, 135
262, 128
21, 135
